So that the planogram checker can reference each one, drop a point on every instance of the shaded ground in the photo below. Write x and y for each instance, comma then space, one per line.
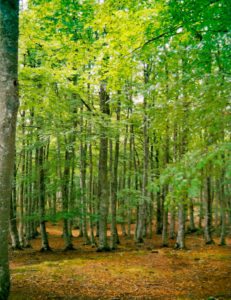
131, 272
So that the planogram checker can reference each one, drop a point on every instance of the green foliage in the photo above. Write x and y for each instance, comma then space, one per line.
69, 48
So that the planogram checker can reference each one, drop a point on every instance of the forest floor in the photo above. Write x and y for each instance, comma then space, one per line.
132, 272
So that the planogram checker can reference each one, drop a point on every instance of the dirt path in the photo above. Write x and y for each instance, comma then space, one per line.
131, 272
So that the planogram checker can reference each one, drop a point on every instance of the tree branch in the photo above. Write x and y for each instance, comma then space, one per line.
156, 38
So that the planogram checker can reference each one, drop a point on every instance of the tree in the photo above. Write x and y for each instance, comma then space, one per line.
8, 112
103, 192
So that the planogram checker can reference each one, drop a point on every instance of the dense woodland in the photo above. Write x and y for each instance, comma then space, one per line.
123, 125
123, 119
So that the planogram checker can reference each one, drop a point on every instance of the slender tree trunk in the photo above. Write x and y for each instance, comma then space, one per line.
83, 170
216, 206
223, 216
129, 183
13, 221
27, 201
65, 201
175, 159
103, 194
159, 213
152, 196
30, 193
165, 187
13, 228
22, 185
34, 191
180, 242
42, 201
124, 176
201, 208
191, 216
114, 187
8, 115
172, 223
208, 213
165, 219
83, 166
222, 205
142, 203
91, 194
138, 183
72, 191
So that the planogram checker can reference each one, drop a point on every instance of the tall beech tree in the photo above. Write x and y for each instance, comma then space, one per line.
103, 189
8, 111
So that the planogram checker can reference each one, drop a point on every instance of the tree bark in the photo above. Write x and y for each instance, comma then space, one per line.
13, 221
208, 213
180, 241
192, 226
165, 219
172, 223
41, 190
83, 167
83, 186
124, 176
91, 194
201, 208
22, 185
165, 187
8, 114
114, 187
222, 205
129, 183
143, 201
159, 212
103, 174
65, 200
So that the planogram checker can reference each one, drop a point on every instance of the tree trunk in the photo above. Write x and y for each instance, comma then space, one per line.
222, 205
83, 167
183, 134
13, 221
8, 115
180, 242
159, 213
21, 229
30, 193
165, 219
83, 170
191, 216
201, 208
91, 194
103, 173
172, 223
208, 213
27, 200
114, 186
124, 176
143, 201
42, 201
166, 161
65, 200
131, 158
165, 228
223, 218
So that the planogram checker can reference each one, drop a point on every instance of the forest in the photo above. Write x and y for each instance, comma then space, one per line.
115, 149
